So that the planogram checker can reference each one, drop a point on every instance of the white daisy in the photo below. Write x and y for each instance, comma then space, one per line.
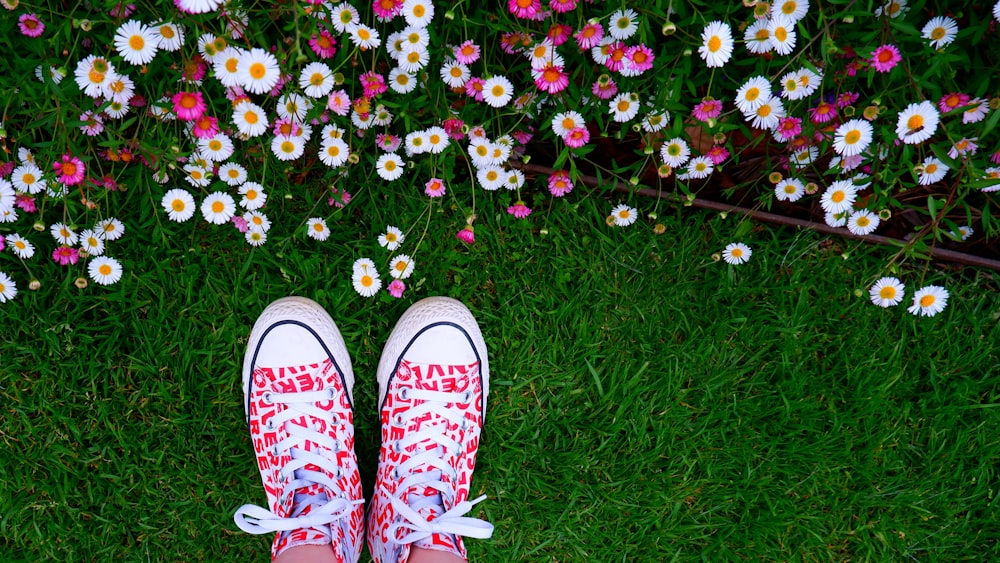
232, 173
257, 221
940, 30
768, 114
675, 152
623, 107
401, 82
977, 112
391, 238
758, 38
931, 170
497, 91
852, 137
839, 197
258, 71
929, 301
699, 167
401, 266
514, 179
218, 208
226, 64
316, 80
623, 24
365, 279
179, 205
8, 197
794, 10
414, 59
863, 222
623, 215
887, 292
716, 44
316, 228
364, 37
294, 107
253, 196
255, 237
250, 119
789, 189
963, 232
917, 122
20, 246
566, 121
121, 88
199, 6
389, 166
169, 36
752, 94
334, 152
891, 8
490, 177
343, 16
196, 175
287, 148
782, 32
217, 148
27, 178
63, 234
92, 242
93, 74
736, 253
455, 74
8, 289
136, 43
112, 228
104, 270
655, 121
437, 139
414, 36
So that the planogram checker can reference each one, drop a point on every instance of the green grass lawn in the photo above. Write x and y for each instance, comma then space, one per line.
648, 403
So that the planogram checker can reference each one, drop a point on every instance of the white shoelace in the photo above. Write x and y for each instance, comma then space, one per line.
322, 511
428, 466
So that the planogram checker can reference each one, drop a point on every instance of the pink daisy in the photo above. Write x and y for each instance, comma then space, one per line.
385, 10
373, 83
563, 6
577, 137
93, 123
639, 58
823, 113
324, 44
454, 127
339, 199
30, 25
188, 105
789, 128
26, 202
195, 69
524, 9
339, 103
467, 53
240, 223
995, 157
589, 36
616, 55
550, 78
434, 187
466, 235
717, 154
65, 255
560, 183
205, 127
605, 87
707, 109
885, 58
953, 101
388, 142
71, 170
519, 210
559, 33
846, 99
396, 288
474, 88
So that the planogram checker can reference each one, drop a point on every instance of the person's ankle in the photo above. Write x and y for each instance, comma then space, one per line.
426, 555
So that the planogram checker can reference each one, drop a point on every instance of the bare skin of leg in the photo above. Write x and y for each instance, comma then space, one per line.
307, 554
421, 555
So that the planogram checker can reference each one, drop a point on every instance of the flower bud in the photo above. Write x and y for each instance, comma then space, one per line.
80, 282
668, 28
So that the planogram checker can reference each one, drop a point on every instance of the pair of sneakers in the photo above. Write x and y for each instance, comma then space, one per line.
298, 384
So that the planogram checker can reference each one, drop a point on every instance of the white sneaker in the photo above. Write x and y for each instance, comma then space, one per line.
297, 385
433, 381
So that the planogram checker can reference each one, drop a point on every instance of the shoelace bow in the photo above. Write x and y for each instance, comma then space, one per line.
318, 511
427, 468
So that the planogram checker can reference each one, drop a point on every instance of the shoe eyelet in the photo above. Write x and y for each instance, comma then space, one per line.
467, 398
404, 393
465, 424
397, 448
274, 451
395, 475
336, 445
398, 420
270, 424
266, 398
333, 393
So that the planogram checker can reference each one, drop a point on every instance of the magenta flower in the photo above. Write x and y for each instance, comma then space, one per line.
388, 142
550, 78
639, 59
71, 170
563, 6
434, 187
385, 10
454, 127
3, 242
885, 58
474, 88
519, 210
524, 9
324, 44
605, 87
953, 101
995, 157
616, 55
467, 53
240, 223
373, 83
846, 99
466, 235
577, 137
559, 33
93, 123
789, 128
30, 25
122, 10
589, 36
65, 255
339, 200
188, 105
707, 109
717, 154
396, 288
205, 127
823, 113
26, 202
560, 183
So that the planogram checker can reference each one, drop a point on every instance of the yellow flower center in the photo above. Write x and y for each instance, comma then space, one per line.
166, 32
927, 300
218, 207
177, 205
781, 34
852, 136
838, 196
104, 270
136, 42
714, 43
915, 122
251, 117
887, 292
258, 70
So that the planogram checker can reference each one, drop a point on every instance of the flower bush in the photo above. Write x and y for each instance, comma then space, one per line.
867, 117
